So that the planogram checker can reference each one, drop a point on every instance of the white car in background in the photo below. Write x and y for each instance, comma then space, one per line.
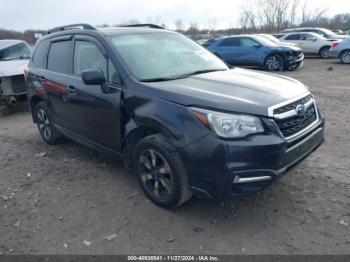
310, 43
14, 57
318, 30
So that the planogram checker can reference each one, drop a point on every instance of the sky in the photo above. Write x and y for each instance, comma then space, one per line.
45, 14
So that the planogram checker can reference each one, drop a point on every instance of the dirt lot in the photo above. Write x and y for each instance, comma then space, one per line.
53, 204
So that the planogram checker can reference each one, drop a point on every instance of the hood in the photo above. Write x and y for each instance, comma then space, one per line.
287, 47
13, 67
236, 90
288, 44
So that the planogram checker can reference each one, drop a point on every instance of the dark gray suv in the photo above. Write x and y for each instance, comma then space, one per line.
175, 113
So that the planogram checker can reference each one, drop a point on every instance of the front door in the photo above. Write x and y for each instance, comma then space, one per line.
95, 115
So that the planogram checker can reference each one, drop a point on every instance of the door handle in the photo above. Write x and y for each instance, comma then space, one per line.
72, 89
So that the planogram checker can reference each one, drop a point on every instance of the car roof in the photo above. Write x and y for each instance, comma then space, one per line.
107, 31
129, 30
9, 42
299, 33
302, 28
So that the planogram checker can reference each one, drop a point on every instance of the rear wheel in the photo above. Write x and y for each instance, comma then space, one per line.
160, 172
345, 57
273, 63
324, 52
47, 130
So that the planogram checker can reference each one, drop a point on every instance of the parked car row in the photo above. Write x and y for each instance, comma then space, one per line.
283, 51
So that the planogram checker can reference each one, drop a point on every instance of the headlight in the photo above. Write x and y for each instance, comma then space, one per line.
229, 125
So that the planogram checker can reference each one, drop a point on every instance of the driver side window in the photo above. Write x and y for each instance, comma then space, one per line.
87, 55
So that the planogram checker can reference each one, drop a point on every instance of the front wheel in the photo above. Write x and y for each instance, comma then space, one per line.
324, 52
345, 57
273, 63
160, 172
46, 128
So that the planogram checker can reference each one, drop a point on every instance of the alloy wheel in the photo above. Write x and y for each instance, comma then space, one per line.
345, 58
156, 174
44, 124
273, 63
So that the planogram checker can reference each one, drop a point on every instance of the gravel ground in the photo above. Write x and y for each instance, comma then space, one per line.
68, 199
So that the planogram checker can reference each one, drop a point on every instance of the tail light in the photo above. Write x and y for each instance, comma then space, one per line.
334, 44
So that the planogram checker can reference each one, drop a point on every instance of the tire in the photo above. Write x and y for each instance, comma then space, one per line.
324, 52
160, 172
345, 57
273, 63
47, 130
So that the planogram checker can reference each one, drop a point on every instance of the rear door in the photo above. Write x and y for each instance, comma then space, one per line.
295, 38
95, 115
56, 80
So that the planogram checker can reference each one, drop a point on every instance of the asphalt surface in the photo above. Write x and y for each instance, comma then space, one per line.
67, 199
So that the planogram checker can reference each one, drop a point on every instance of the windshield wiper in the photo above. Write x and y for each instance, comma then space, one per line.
203, 72
160, 79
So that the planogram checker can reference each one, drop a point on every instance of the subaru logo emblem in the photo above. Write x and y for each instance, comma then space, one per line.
300, 109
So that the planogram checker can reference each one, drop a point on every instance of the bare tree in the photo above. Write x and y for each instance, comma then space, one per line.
193, 29
179, 25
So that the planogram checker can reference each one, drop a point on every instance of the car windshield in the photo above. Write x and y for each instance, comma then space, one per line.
164, 56
15, 52
264, 41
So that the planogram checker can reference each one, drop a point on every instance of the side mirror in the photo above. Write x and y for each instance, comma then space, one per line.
95, 77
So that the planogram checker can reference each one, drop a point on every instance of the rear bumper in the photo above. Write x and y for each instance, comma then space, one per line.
222, 169
333, 53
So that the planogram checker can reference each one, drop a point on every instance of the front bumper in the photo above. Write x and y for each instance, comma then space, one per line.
295, 61
221, 169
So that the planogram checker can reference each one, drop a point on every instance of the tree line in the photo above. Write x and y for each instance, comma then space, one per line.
263, 16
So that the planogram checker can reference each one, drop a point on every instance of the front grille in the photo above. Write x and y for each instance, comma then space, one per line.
296, 123
292, 106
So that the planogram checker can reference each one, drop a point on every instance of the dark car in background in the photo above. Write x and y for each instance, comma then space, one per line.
175, 113
254, 50
14, 57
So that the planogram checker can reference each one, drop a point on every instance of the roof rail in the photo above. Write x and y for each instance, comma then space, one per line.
69, 27
144, 25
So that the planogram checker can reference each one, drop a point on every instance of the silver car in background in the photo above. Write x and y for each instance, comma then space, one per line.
341, 50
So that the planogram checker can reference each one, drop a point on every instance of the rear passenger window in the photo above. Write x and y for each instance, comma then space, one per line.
59, 57
88, 56
231, 42
39, 57
294, 37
